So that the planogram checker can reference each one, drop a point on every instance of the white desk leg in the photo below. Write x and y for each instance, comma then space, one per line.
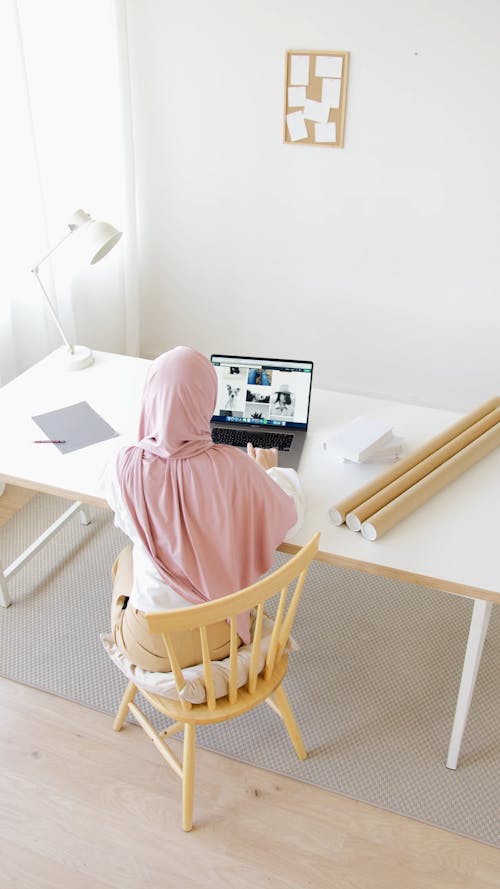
30, 551
4, 593
478, 627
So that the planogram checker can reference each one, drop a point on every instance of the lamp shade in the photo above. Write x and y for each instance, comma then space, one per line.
95, 239
102, 238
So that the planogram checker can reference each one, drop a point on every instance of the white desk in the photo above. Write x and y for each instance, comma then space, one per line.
449, 544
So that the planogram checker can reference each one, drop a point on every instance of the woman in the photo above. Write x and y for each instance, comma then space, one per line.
282, 403
204, 519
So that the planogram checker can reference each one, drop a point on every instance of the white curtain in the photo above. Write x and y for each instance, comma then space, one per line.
66, 144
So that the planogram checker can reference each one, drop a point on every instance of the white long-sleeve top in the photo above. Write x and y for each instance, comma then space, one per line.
149, 591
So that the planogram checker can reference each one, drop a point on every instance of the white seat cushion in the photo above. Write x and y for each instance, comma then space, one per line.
194, 691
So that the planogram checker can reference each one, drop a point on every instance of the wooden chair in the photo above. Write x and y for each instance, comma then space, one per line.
264, 686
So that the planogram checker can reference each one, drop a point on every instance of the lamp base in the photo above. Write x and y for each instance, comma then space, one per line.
81, 358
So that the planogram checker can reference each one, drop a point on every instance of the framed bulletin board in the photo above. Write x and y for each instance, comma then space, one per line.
315, 95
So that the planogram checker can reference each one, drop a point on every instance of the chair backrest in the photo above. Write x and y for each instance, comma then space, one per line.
199, 617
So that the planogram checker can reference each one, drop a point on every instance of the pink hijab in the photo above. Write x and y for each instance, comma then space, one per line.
208, 515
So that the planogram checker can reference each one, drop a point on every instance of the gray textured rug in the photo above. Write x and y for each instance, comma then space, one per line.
373, 686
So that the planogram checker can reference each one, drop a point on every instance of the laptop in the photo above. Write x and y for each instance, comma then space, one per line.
265, 401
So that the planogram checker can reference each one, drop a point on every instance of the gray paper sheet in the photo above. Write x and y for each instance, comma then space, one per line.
76, 426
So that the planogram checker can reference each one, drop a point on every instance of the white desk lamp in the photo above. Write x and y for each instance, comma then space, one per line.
95, 240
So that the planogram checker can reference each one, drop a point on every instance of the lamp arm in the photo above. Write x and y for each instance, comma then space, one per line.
35, 268
51, 251
55, 319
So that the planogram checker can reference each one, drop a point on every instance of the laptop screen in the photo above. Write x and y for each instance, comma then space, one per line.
262, 391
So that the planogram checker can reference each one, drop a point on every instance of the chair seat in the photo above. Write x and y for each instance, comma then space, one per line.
202, 714
162, 685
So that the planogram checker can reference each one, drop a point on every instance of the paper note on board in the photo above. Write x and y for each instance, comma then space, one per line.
296, 126
325, 132
299, 70
329, 66
330, 92
318, 111
296, 96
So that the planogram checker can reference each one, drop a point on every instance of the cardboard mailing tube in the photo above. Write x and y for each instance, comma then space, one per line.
423, 490
366, 509
339, 510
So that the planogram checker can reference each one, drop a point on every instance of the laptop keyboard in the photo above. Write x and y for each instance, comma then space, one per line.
240, 437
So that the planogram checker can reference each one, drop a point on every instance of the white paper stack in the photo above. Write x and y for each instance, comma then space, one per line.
365, 441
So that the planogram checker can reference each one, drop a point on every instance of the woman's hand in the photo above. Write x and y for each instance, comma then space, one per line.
265, 457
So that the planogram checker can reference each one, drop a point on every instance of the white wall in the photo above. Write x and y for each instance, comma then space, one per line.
380, 260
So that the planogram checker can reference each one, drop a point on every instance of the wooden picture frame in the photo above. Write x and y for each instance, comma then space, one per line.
315, 97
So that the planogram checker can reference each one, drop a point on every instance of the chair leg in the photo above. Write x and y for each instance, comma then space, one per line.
285, 710
188, 775
128, 697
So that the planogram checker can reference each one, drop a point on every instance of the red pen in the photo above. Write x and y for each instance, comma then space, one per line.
50, 441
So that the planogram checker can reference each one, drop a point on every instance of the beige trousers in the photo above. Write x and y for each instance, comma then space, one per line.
146, 649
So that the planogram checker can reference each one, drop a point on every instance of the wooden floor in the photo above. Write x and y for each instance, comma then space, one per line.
12, 500
86, 808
